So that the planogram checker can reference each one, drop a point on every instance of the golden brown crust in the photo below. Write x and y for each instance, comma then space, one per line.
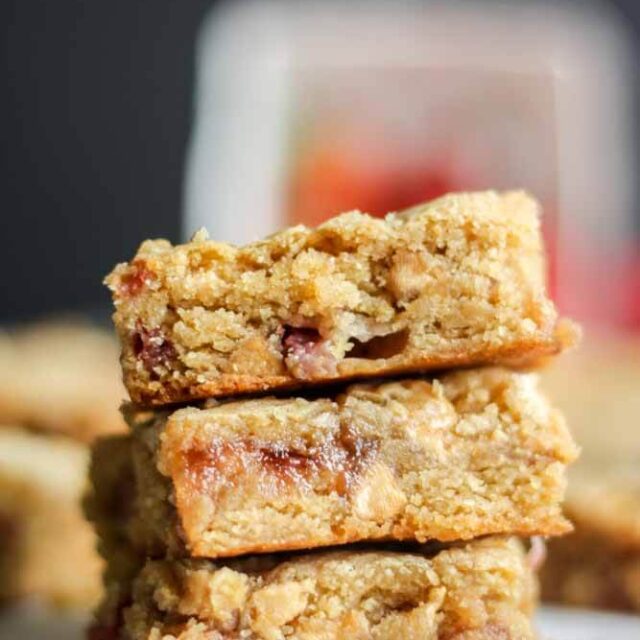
472, 453
483, 590
455, 282
524, 354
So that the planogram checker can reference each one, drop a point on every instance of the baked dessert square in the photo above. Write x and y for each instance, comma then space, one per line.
472, 453
46, 547
61, 377
599, 564
483, 590
455, 282
59, 389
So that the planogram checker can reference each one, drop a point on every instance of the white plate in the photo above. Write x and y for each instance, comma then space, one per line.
564, 623
554, 623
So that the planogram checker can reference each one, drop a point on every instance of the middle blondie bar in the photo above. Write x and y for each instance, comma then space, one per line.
469, 454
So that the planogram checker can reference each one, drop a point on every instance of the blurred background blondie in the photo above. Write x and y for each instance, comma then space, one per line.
599, 564
59, 389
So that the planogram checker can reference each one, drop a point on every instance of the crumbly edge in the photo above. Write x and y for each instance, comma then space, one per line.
484, 589
489, 414
458, 278
520, 354
156, 529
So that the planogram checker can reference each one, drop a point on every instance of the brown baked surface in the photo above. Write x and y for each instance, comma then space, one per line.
484, 590
61, 377
46, 547
472, 453
455, 282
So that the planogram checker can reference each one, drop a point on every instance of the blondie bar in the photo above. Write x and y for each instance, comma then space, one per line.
455, 282
46, 547
472, 453
599, 564
62, 378
484, 590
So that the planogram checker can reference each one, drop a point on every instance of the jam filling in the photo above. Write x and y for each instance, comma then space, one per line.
306, 353
336, 465
136, 279
300, 340
152, 348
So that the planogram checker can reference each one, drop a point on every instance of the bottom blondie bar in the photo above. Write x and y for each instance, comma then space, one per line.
482, 590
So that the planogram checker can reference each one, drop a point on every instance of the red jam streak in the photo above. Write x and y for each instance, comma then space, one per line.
152, 348
136, 279
336, 465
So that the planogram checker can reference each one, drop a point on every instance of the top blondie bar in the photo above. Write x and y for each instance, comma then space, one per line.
454, 282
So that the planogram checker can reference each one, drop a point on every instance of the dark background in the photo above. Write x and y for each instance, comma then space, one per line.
95, 112
95, 108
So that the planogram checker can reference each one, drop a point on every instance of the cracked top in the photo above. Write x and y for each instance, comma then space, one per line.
456, 281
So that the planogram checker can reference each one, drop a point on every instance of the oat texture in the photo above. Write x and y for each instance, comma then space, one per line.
480, 591
472, 453
457, 281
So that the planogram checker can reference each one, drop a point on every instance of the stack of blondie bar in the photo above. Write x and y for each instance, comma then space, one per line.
332, 431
